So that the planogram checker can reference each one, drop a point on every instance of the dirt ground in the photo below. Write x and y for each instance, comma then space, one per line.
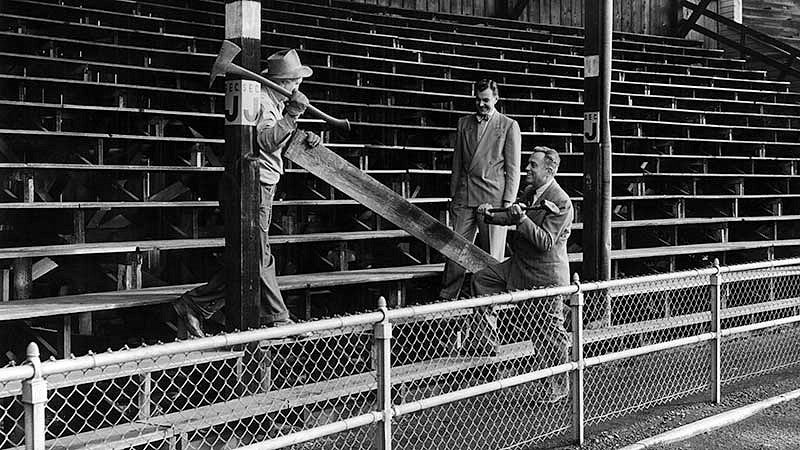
775, 428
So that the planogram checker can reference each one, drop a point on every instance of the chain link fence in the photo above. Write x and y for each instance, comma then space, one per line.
505, 371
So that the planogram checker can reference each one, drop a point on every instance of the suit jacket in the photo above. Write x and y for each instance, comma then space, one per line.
486, 171
540, 244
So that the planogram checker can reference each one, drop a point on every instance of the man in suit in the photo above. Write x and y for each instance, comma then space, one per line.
539, 260
486, 162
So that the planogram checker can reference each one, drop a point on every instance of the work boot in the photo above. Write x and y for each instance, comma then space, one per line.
285, 322
189, 325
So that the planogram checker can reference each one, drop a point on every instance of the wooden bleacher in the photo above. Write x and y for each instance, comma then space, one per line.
115, 144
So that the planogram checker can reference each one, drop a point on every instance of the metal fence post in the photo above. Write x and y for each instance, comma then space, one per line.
576, 303
716, 344
34, 397
383, 366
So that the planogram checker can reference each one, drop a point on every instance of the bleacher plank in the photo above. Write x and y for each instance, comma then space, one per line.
103, 301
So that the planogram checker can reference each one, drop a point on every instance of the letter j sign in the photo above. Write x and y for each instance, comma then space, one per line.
591, 133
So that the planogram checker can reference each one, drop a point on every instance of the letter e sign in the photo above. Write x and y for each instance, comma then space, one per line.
591, 133
241, 102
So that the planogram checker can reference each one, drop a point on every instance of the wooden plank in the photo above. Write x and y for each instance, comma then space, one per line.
42, 267
344, 176
555, 11
103, 301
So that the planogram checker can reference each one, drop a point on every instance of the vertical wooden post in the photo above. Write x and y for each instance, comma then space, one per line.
383, 367
34, 398
716, 344
597, 141
241, 190
576, 303
5, 285
23, 278
129, 274
79, 226
64, 345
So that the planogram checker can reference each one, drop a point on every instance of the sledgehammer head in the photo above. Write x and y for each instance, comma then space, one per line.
227, 52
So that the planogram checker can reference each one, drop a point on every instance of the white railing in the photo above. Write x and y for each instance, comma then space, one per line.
391, 377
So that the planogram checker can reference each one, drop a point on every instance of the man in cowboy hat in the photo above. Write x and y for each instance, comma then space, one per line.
276, 122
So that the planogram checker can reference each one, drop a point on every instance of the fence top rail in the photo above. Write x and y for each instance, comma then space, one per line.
90, 361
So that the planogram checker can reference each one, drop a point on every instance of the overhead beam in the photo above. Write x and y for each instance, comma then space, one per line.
685, 26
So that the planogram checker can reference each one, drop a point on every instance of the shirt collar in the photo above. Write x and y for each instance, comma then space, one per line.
488, 116
540, 190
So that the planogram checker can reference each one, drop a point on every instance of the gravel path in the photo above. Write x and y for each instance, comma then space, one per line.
778, 425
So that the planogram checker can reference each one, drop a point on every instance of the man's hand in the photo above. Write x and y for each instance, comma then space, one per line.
483, 212
516, 213
297, 104
312, 139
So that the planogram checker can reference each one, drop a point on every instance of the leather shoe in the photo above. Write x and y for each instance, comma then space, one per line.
285, 322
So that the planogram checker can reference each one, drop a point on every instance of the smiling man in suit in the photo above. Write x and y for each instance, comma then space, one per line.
540, 259
486, 164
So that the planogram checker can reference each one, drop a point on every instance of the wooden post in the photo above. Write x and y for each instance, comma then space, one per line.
242, 248
5, 285
129, 274
23, 278
578, 420
597, 141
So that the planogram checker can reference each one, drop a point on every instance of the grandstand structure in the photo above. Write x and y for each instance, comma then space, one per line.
111, 142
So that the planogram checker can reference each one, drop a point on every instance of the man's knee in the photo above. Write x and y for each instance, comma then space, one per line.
485, 282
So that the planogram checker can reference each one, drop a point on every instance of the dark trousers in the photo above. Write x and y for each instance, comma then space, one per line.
206, 300
490, 238
547, 329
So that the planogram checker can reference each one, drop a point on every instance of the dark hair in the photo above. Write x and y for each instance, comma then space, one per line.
486, 83
550, 156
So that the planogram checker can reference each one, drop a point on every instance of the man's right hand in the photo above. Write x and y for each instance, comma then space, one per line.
297, 104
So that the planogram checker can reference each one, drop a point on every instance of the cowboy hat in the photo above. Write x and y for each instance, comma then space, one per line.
286, 64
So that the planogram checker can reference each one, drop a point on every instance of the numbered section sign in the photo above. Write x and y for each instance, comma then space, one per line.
591, 132
242, 102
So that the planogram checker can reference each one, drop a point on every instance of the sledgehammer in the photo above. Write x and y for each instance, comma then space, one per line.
224, 64
545, 205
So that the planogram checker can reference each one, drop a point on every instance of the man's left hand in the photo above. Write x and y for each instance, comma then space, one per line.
516, 213
313, 139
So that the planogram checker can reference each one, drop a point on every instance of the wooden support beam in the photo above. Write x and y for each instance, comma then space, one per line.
64, 341
169, 193
5, 285
346, 177
241, 187
42, 267
129, 274
22, 278
79, 226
